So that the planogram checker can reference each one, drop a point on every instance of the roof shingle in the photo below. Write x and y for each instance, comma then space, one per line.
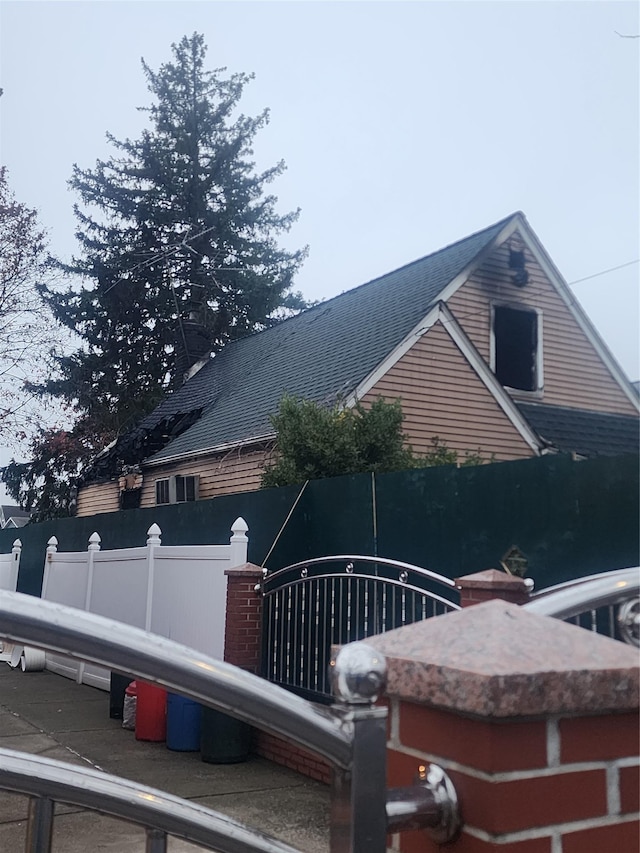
321, 354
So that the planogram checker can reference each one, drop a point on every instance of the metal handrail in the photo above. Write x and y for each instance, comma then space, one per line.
590, 594
427, 573
351, 735
178, 668
82, 786
552, 590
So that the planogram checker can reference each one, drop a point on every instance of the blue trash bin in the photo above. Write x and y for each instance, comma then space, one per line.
183, 723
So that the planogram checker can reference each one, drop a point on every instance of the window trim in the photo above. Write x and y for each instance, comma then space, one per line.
172, 488
538, 391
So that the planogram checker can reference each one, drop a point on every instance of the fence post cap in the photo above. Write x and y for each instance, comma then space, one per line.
17, 543
248, 570
491, 579
94, 541
239, 526
153, 535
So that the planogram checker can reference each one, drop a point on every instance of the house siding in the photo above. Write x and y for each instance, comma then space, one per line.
98, 497
235, 471
574, 374
442, 396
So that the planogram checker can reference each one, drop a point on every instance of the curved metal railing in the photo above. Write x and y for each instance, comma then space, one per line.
593, 600
352, 736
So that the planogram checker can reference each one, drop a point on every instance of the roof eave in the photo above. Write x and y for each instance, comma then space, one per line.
209, 451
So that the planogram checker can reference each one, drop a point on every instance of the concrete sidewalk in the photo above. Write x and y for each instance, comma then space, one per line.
49, 715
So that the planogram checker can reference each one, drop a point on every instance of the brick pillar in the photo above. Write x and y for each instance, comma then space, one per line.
243, 624
490, 584
243, 648
534, 720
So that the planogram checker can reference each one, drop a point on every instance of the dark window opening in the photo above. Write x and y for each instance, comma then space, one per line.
162, 491
516, 348
130, 498
185, 489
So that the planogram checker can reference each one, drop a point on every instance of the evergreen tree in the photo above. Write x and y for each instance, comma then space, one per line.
178, 243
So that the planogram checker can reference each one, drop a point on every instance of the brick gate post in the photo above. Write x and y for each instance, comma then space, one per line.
243, 624
534, 720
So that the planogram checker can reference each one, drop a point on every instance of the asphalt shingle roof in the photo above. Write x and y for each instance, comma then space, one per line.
321, 354
584, 432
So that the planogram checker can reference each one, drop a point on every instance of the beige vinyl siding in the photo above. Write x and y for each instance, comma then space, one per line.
574, 374
223, 474
98, 497
442, 395
235, 471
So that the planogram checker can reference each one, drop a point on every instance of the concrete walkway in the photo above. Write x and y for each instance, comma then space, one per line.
48, 715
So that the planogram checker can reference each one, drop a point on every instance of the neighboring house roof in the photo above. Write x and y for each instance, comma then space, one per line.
583, 432
13, 516
12, 521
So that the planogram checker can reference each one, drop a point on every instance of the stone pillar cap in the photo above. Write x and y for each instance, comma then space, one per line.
248, 569
491, 579
498, 660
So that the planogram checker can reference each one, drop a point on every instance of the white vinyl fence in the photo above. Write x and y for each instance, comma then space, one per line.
9, 565
177, 591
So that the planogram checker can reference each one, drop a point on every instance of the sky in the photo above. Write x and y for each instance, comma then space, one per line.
405, 126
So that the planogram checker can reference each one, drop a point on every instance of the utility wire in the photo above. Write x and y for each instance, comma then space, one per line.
604, 272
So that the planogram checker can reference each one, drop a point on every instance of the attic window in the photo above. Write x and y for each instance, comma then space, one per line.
516, 348
177, 489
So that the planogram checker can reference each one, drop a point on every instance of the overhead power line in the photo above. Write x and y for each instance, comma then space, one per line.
604, 272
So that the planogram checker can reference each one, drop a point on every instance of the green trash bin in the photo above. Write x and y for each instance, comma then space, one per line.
223, 739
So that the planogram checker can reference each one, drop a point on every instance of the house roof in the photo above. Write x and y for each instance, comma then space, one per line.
11, 511
587, 433
328, 353
321, 354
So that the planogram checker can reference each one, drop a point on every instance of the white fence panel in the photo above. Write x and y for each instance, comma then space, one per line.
65, 581
177, 591
197, 620
118, 590
9, 566
119, 585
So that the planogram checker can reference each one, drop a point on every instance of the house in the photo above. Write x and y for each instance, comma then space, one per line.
483, 342
13, 516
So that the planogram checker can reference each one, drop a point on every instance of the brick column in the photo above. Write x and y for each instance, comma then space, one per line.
535, 721
490, 584
243, 648
243, 624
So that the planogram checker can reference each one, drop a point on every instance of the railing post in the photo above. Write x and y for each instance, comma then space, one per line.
238, 543
359, 792
39, 825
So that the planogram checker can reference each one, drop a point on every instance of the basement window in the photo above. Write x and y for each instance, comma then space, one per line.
516, 348
177, 489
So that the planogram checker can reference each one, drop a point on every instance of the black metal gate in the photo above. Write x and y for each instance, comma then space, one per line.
311, 606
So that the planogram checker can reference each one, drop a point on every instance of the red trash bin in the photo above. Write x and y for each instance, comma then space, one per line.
151, 712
